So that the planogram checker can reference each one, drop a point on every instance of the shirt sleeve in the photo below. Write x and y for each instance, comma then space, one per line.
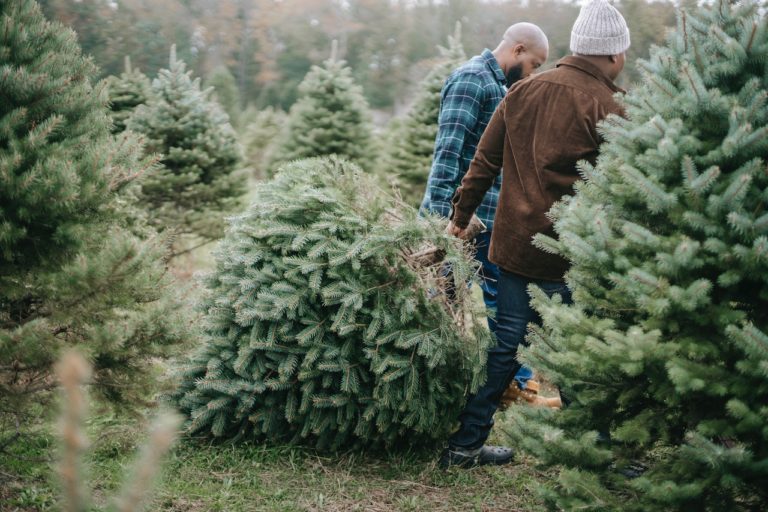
483, 171
459, 113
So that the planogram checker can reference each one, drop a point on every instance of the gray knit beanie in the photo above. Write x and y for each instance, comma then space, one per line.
600, 29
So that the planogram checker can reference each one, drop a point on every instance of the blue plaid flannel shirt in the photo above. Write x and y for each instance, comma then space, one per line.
468, 99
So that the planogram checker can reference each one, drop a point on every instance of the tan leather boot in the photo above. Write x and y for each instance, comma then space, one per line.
529, 395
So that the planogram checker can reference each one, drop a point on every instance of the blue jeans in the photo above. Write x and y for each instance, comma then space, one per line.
513, 315
489, 274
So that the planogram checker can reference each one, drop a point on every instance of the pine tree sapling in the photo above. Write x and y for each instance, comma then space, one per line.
73, 271
666, 345
126, 92
330, 118
321, 328
408, 158
73, 373
200, 181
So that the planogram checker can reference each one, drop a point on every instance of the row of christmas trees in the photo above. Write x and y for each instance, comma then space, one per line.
331, 117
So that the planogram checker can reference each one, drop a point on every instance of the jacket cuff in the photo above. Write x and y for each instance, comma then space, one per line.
459, 217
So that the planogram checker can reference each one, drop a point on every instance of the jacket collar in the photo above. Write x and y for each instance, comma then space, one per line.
574, 61
494, 66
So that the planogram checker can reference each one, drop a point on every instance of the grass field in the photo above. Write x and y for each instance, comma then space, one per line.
250, 477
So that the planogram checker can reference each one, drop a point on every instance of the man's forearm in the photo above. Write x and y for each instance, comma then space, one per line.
442, 183
483, 171
470, 194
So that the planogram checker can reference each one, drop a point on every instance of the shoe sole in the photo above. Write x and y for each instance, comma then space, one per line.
469, 464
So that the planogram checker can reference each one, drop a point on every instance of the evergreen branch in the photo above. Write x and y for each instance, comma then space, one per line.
752, 37
662, 89
176, 254
119, 180
693, 85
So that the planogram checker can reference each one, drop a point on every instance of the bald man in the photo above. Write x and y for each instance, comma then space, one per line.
467, 102
468, 99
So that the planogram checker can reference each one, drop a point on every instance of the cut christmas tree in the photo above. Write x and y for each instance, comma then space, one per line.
330, 118
408, 158
73, 273
324, 329
665, 350
200, 181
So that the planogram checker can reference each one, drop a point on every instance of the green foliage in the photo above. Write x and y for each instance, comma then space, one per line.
261, 132
322, 329
225, 92
126, 92
409, 157
49, 136
330, 118
666, 346
200, 181
74, 270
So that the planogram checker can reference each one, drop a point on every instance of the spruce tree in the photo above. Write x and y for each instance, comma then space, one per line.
259, 137
409, 157
665, 350
200, 181
126, 92
226, 93
323, 327
329, 118
73, 273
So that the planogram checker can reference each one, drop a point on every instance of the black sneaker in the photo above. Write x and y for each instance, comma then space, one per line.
485, 455
635, 469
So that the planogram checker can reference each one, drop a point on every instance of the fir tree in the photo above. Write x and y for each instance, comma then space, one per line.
666, 345
330, 118
262, 130
323, 328
226, 93
200, 181
126, 92
72, 270
409, 156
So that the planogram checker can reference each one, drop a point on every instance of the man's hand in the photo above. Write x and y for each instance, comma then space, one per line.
456, 231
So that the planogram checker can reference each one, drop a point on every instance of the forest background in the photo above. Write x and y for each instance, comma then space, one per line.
268, 46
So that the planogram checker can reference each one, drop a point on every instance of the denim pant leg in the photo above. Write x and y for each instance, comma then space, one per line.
489, 274
513, 316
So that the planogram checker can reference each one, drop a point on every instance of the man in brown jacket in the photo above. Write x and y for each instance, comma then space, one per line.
539, 132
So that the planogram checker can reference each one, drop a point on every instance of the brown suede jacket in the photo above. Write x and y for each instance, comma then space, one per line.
540, 130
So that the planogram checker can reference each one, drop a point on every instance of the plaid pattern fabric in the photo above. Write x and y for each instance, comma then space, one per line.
468, 99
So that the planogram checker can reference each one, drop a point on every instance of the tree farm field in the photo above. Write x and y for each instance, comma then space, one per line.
198, 476
236, 255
